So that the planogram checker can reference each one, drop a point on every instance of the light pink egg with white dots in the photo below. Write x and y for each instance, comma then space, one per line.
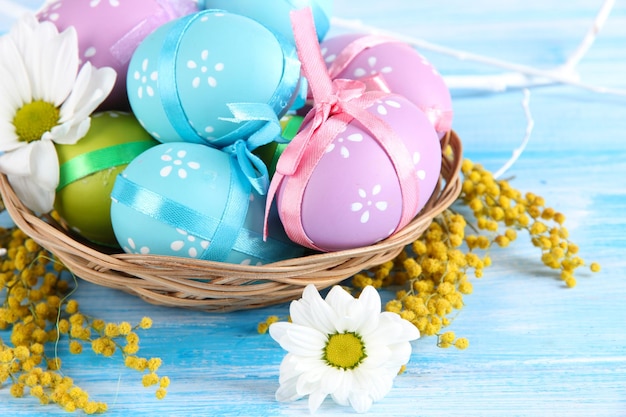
110, 30
353, 197
405, 71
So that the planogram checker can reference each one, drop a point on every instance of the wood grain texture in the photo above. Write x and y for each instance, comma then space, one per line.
537, 348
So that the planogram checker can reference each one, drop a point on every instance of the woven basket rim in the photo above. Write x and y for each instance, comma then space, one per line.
218, 286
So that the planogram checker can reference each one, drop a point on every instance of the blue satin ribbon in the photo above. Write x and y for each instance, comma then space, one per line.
233, 216
251, 165
170, 99
215, 231
163, 209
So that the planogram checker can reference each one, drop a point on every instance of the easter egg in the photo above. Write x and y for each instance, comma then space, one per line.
88, 170
404, 70
274, 14
353, 196
184, 78
110, 30
190, 200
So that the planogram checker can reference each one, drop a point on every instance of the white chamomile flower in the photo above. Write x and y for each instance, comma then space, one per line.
342, 347
44, 100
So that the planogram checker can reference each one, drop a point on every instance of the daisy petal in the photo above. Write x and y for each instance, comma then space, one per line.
67, 134
341, 393
17, 162
45, 165
333, 380
339, 300
15, 85
32, 196
8, 138
376, 384
360, 402
28, 36
278, 330
315, 400
301, 340
378, 355
287, 391
371, 299
58, 83
91, 88
312, 311
368, 311
293, 366
400, 354
33, 172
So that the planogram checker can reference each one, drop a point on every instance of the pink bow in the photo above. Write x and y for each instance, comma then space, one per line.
336, 103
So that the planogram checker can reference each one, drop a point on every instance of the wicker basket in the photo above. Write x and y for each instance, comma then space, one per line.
216, 286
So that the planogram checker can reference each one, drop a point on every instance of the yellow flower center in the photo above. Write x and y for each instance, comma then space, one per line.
34, 119
344, 350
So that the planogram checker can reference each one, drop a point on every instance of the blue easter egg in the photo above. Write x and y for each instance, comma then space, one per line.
183, 77
190, 200
275, 13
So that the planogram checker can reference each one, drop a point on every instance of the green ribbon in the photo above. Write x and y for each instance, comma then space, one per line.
91, 162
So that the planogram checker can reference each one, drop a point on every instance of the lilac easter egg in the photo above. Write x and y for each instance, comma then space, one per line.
353, 197
110, 30
404, 69
184, 78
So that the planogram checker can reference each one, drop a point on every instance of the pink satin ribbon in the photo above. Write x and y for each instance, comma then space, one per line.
354, 49
336, 103
166, 11
441, 119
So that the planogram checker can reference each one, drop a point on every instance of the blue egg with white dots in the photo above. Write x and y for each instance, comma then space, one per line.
189, 200
275, 13
184, 77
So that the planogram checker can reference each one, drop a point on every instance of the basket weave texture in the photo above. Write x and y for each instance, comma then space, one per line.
222, 287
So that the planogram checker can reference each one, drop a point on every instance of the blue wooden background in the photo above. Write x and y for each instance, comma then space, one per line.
537, 348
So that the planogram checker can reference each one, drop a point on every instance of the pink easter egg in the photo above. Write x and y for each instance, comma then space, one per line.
109, 31
404, 69
353, 197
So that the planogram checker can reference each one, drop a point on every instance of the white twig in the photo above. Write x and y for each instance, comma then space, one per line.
530, 124
590, 37
495, 83
522, 76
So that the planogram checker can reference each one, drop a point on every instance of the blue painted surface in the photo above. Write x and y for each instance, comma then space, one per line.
537, 349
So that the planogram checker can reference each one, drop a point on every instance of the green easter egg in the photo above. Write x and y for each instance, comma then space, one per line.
88, 170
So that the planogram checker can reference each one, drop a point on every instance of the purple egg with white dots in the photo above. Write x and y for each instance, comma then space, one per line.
353, 197
109, 31
404, 69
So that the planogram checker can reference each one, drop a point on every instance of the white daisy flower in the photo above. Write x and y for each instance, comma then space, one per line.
342, 347
44, 100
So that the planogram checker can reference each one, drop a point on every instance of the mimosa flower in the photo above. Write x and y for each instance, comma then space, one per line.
342, 347
45, 100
